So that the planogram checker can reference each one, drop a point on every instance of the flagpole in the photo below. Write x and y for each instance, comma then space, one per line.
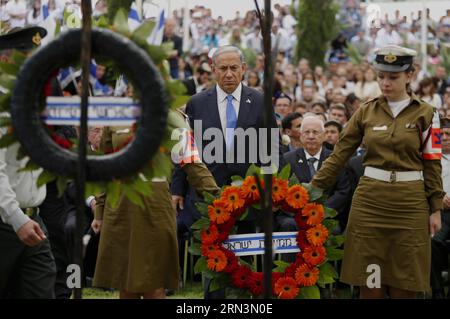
424, 34
186, 24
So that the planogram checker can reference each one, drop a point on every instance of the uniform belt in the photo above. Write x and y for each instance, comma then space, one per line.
392, 176
30, 211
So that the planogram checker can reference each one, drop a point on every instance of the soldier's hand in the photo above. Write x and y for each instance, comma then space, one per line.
447, 202
435, 223
177, 201
31, 233
97, 225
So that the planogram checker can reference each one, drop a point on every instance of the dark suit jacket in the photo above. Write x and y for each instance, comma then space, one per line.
190, 86
203, 106
338, 195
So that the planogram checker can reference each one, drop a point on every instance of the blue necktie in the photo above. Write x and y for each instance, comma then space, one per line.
231, 121
312, 169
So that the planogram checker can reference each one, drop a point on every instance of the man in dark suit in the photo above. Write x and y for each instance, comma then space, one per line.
305, 162
199, 81
223, 112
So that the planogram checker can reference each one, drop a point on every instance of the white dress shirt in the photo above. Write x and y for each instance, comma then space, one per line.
316, 156
445, 161
17, 189
222, 104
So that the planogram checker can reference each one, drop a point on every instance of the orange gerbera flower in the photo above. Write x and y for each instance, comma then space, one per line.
314, 255
217, 212
232, 198
314, 212
249, 189
306, 276
210, 235
217, 260
279, 189
297, 196
317, 235
286, 288
208, 248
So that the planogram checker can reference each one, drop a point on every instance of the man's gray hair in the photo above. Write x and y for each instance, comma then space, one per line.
226, 49
311, 117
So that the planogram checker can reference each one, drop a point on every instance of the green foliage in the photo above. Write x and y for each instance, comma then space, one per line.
200, 265
316, 27
208, 198
115, 5
7, 140
195, 249
355, 57
120, 24
44, 178
281, 266
311, 292
285, 172
202, 208
334, 253
327, 274
201, 223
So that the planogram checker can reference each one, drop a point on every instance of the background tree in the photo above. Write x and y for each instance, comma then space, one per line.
316, 27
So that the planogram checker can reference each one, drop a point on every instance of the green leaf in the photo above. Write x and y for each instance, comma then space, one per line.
281, 265
327, 275
334, 253
61, 185
202, 208
195, 249
257, 206
252, 170
113, 191
9, 68
200, 265
179, 101
315, 193
330, 212
244, 215
197, 235
221, 281
7, 81
18, 57
330, 224
156, 53
208, 198
176, 87
293, 180
132, 195
285, 172
29, 166
44, 178
5, 102
142, 32
7, 140
102, 22
236, 178
120, 24
93, 189
21, 154
142, 186
202, 223
335, 241
311, 292
175, 120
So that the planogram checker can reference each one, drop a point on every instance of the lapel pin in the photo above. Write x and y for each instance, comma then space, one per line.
300, 161
248, 101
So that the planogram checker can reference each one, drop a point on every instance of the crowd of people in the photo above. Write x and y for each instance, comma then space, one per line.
326, 137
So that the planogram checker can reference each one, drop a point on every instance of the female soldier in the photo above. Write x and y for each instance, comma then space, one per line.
396, 206
138, 252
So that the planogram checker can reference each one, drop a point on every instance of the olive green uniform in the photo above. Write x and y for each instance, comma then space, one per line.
388, 221
138, 249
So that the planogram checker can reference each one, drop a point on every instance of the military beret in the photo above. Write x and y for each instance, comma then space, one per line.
280, 95
394, 58
22, 39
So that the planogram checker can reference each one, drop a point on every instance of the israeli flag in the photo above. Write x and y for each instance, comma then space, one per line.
157, 34
133, 18
66, 76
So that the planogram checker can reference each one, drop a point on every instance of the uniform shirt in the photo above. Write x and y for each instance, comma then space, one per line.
222, 103
17, 189
392, 143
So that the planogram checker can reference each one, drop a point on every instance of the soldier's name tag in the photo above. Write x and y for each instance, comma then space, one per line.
380, 128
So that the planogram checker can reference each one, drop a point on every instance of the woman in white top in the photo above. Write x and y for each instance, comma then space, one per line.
427, 92
35, 15
368, 88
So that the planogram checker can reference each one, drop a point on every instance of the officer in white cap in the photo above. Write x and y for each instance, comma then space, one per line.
397, 204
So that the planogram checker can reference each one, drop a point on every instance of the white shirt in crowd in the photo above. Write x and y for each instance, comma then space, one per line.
16, 7
445, 161
222, 104
17, 189
435, 101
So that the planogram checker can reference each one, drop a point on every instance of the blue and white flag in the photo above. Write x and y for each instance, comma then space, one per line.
157, 34
66, 76
133, 18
